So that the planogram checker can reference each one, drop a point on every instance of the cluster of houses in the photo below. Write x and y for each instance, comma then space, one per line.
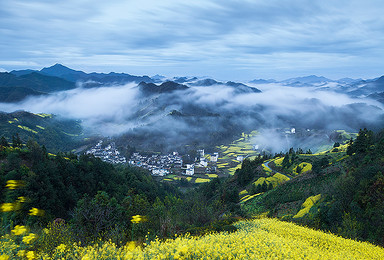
202, 162
107, 153
159, 165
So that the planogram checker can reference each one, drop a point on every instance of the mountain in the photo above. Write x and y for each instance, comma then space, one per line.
166, 87
16, 94
262, 81
242, 88
348, 80
22, 72
66, 73
312, 79
158, 78
35, 81
206, 82
61, 71
367, 87
184, 79
55, 133
377, 96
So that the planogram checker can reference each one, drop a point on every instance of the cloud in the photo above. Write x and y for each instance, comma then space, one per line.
102, 110
208, 114
226, 39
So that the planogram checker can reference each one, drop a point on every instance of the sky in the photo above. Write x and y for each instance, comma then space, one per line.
227, 40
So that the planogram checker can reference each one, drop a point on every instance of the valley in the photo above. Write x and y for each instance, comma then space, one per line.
136, 160
191, 130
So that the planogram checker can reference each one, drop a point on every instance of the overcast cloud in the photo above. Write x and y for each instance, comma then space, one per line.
228, 40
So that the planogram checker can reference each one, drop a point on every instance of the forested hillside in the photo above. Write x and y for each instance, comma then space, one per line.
65, 199
343, 192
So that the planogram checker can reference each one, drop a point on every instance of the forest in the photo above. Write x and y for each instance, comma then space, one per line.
65, 199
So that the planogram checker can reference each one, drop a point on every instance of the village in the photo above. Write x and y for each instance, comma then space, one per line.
162, 165
108, 154
157, 164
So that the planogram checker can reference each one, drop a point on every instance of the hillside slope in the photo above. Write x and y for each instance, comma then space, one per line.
55, 133
342, 192
255, 239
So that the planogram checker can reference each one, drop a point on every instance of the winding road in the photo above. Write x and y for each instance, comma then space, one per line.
266, 164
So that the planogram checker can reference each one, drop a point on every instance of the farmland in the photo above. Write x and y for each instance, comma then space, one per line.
254, 239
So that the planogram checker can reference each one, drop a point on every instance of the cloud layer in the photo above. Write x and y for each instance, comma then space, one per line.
208, 114
225, 39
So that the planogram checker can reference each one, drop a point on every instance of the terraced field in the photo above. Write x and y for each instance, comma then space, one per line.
228, 161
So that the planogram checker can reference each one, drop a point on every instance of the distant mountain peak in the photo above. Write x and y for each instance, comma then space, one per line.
206, 82
165, 87
311, 79
57, 70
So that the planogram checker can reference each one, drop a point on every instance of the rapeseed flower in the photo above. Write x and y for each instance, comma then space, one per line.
22, 199
19, 230
36, 212
14, 184
4, 257
21, 253
31, 255
6, 207
30, 238
61, 247
138, 218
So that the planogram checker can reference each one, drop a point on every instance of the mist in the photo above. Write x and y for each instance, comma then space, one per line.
203, 114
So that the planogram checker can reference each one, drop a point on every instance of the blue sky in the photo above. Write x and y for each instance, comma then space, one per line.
227, 39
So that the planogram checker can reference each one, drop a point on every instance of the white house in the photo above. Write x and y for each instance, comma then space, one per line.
214, 157
190, 169
159, 172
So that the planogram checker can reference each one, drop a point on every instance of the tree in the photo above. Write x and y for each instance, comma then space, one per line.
16, 141
264, 186
94, 216
3, 142
286, 161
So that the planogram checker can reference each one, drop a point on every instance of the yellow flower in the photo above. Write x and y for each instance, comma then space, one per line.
130, 245
6, 207
19, 230
31, 255
4, 257
46, 230
86, 257
14, 184
22, 199
61, 247
30, 238
36, 212
138, 219
21, 253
